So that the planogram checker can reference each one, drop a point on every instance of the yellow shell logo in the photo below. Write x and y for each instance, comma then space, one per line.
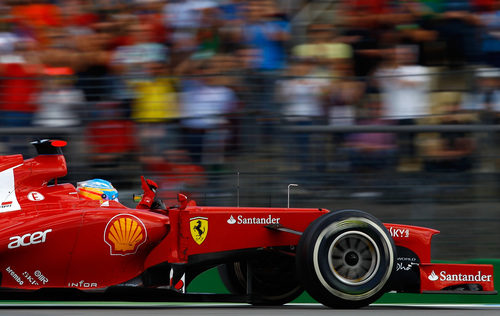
124, 234
199, 229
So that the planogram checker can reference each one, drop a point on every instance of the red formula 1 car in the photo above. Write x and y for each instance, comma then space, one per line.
54, 242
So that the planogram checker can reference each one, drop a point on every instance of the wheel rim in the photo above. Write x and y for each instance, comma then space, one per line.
326, 275
354, 257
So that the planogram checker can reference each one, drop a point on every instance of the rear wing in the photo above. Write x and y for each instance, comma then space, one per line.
49, 147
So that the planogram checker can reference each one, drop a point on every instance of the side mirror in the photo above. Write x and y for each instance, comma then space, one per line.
183, 200
137, 197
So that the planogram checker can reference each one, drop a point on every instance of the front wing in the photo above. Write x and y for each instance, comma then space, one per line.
456, 278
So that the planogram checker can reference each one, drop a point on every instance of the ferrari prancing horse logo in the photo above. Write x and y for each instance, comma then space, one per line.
199, 229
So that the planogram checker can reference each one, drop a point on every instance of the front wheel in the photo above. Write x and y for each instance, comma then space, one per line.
345, 259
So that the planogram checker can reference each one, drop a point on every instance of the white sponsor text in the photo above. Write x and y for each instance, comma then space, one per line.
240, 220
28, 239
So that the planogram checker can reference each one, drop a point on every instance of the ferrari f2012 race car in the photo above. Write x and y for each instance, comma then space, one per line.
52, 241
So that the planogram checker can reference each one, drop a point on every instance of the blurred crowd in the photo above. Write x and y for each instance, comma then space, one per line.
180, 79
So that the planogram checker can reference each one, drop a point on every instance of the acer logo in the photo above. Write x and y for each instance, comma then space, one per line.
28, 239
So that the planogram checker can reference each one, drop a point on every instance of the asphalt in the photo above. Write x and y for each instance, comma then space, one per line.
244, 310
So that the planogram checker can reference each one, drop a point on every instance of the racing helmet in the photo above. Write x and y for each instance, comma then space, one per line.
97, 189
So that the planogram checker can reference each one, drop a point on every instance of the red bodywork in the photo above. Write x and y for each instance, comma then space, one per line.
49, 237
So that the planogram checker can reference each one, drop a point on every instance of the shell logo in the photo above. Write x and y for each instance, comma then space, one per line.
124, 234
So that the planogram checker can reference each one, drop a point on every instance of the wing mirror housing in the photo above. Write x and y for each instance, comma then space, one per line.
183, 201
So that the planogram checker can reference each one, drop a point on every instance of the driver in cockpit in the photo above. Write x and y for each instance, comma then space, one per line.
103, 190
97, 189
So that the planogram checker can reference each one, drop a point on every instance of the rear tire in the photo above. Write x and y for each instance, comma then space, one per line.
273, 278
345, 259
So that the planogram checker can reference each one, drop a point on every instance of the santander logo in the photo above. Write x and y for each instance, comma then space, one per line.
231, 220
460, 277
242, 220
433, 276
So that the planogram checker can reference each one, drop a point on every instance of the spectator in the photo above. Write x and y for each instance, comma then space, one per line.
77, 17
151, 11
111, 139
484, 101
485, 98
59, 103
20, 86
302, 96
129, 61
362, 22
324, 46
489, 19
458, 28
341, 105
206, 102
372, 151
450, 151
372, 155
302, 93
141, 49
208, 35
231, 18
185, 18
35, 17
267, 35
94, 72
405, 88
59, 49
8, 40
343, 95
156, 109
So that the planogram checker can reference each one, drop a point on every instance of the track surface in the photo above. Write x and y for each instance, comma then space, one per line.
46, 309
